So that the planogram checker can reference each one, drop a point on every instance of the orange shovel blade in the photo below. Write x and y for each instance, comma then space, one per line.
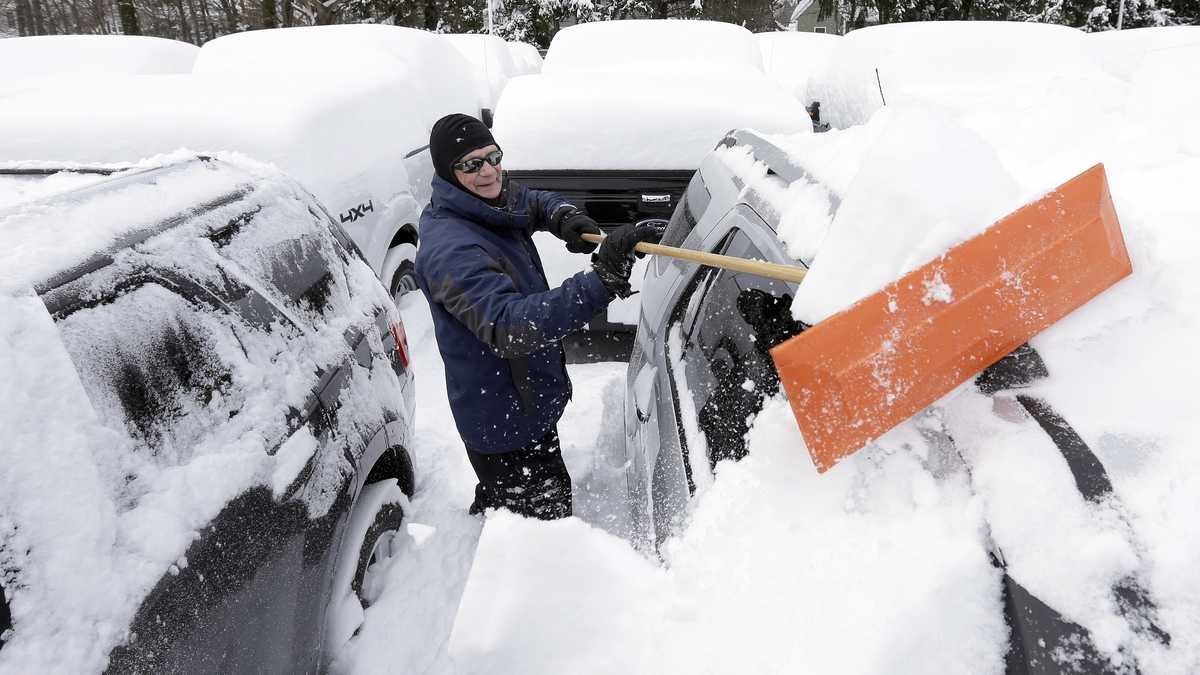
864, 370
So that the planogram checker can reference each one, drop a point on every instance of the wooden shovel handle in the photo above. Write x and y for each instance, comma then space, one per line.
789, 273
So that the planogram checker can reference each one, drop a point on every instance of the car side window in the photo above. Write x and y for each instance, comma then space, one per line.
728, 370
162, 363
688, 212
292, 254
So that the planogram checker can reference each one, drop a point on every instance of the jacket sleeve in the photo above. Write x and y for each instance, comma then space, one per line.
543, 206
485, 299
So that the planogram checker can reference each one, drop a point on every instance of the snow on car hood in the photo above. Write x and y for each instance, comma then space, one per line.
614, 121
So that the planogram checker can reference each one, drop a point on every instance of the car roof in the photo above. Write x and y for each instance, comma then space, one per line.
49, 55
47, 242
327, 131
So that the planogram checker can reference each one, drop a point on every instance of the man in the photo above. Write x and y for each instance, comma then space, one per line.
498, 324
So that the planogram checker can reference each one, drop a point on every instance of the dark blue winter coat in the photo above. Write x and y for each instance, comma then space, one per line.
498, 325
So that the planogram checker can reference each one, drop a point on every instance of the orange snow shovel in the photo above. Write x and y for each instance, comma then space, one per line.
861, 372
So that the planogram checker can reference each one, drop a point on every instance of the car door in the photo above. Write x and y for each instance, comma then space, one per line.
720, 371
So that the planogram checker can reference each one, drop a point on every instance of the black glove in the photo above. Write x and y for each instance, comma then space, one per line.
570, 224
614, 261
769, 316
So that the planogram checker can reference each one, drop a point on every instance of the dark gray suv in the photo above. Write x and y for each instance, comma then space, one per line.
251, 377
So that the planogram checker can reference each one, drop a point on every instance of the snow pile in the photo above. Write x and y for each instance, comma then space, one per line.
492, 62
671, 121
791, 57
648, 45
343, 137
76, 570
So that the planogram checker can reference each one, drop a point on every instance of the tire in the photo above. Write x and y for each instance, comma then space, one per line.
404, 281
369, 537
377, 546
399, 270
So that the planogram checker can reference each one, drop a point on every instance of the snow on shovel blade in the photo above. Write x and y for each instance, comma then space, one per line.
868, 368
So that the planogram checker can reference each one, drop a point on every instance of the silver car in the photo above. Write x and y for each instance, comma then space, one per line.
700, 371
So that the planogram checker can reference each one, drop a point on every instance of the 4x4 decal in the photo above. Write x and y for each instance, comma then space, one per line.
357, 212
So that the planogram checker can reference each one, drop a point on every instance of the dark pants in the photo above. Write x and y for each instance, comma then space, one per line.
531, 481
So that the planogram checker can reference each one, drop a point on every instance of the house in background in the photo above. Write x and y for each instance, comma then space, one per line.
805, 16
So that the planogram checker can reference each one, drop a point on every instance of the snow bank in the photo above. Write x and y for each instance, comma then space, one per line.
671, 121
957, 65
791, 57
649, 45
41, 56
1122, 52
343, 137
492, 62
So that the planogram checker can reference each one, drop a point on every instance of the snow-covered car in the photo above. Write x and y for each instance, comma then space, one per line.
208, 407
31, 62
791, 57
342, 136
701, 373
621, 115
526, 56
492, 64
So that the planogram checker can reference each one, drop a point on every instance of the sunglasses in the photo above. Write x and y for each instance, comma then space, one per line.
474, 164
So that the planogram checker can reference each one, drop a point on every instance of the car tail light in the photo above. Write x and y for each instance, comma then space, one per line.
401, 343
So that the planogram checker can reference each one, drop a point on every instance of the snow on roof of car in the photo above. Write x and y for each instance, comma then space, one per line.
642, 45
1122, 51
791, 57
671, 123
341, 136
954, 64
45, 237
39, 56
432, 67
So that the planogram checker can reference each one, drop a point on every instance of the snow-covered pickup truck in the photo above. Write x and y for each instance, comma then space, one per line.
622, 114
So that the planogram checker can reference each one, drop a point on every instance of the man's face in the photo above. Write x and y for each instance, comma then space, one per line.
484, 183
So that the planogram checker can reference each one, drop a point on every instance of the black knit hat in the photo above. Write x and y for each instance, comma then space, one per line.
452, 137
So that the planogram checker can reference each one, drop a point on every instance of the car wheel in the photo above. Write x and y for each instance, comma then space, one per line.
399, 270
372, 538
404, 281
